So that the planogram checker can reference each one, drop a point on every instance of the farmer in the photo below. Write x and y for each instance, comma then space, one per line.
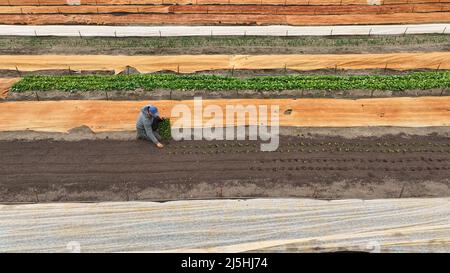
146, 130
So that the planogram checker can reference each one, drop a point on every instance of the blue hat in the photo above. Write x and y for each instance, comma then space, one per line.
153, 110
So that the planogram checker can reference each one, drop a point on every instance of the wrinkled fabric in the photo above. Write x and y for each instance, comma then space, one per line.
293, 225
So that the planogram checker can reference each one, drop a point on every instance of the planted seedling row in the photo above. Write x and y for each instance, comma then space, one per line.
370, 160
339, 168
149, 82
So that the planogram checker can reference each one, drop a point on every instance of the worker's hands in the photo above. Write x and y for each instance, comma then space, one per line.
159, 145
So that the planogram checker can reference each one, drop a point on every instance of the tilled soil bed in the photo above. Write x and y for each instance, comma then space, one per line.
322, 167
162, 94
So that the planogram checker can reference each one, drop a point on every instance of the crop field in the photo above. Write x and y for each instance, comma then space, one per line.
418, 80
207, 12
172, 86
326, 167
58, 163
61, 95
358, 100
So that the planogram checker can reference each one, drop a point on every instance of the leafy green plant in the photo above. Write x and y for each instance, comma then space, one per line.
164, 129
149, 82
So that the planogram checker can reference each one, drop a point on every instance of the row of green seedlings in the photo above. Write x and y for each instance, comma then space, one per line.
411, 81
337, 168
313, 144
309, 151
362, 150
312, 151
379, 144
248, 148
215, 145
362, 160
246, 151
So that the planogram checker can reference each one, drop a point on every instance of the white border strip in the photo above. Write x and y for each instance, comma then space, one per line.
165, 31
379, 225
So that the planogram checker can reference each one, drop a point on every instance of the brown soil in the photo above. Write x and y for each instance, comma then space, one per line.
85, 133
206, 94
5, 85
5, 73
323, 167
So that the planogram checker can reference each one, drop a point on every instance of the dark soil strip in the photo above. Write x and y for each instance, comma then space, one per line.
324, 167
222, 72
206, 94
223, 45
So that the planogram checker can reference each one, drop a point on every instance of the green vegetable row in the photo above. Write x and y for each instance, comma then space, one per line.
148, 82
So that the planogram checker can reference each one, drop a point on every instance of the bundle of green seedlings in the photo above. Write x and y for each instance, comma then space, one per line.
164, 129
149, 82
